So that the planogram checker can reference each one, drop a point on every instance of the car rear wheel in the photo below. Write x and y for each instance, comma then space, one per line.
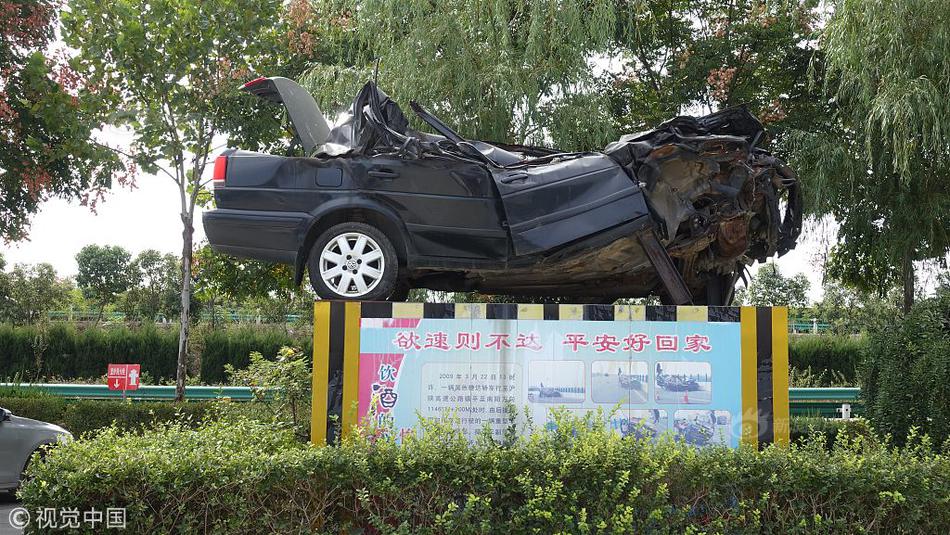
353, 261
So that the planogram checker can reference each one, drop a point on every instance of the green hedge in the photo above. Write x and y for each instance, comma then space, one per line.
248, 477
86, 416
234, 346
835, 355
64, 351
906, 379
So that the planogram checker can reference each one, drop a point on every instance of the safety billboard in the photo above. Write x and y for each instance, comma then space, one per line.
704, 375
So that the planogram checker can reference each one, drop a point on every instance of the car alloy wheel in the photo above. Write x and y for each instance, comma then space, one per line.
352, 264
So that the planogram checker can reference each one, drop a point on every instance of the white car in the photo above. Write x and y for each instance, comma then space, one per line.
19, 439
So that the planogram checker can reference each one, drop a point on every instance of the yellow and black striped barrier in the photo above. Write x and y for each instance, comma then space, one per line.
762, 356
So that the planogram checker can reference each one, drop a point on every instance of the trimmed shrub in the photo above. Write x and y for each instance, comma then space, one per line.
813, 428
233, 346
835, 357
62, 350
87, 416
248, 477
906, 379
44, 409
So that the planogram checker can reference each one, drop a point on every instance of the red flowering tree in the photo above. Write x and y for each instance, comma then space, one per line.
46, 121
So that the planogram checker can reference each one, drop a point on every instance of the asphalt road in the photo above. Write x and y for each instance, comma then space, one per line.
607, 389
696, 396
7, 504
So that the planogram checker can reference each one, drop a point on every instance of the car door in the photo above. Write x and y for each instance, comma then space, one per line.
553, 204
12, 457
449, 207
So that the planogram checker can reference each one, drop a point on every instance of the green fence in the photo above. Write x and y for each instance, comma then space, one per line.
826, 402
144, 393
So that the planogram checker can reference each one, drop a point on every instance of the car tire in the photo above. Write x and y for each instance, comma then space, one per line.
353, 261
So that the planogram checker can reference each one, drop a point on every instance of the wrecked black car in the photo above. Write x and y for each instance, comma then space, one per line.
376, 208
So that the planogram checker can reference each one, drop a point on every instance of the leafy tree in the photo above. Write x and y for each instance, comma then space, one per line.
29, 293
282, 385
880, 164
506, 70
849, 311
770, 288
104, 272
679, 56
46, 107
154, 291
170, 68
571, 74
220, 278
6, 288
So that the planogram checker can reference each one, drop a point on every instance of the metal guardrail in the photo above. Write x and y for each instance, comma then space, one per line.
144, 393
835, 402
826, 402
234, 317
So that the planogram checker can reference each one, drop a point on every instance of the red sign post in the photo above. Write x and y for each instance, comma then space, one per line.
124, 376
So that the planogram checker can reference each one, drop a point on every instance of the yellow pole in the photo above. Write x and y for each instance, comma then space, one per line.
780, 410
321, 372
749, 370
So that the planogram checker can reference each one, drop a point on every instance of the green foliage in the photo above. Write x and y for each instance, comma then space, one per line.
677, 56
68, 352
835, 358
880, 162
905, 380
156, 281
170, 70
63, 350
104, 272
770, 288
569, 74
46, 129
89, 416
809, 378
232, 347
504, 70
42, 408
250, 477
847, 311
805, 429
264, 286
28, 293
282, 385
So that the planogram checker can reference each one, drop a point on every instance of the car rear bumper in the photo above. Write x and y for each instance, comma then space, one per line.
268, 236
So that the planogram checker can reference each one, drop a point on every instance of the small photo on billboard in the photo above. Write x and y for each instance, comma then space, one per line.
684, 383
702, 427
618, 381
645, 423
556, 381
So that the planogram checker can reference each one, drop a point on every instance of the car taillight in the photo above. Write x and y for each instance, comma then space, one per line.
254, 82
220, 171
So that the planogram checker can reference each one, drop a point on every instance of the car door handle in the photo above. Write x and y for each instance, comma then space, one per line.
386, 174
508, 179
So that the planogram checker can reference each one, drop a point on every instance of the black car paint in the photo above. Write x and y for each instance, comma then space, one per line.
466, 215
273, 205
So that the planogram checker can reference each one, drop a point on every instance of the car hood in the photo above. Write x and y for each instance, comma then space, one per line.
38, 427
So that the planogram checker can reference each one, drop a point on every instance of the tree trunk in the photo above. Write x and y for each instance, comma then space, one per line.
185, 327
908, 278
